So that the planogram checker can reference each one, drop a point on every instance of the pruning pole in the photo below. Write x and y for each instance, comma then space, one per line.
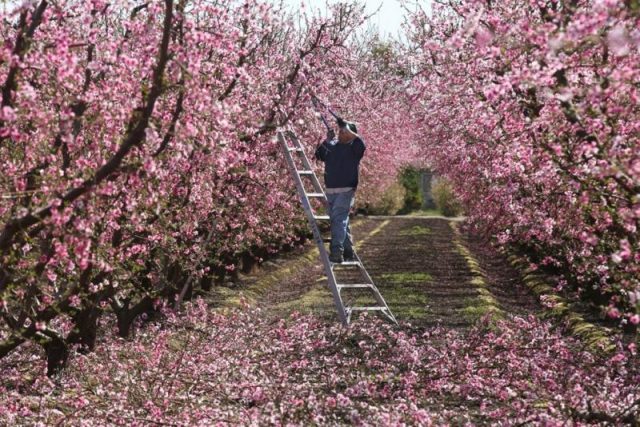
315, 101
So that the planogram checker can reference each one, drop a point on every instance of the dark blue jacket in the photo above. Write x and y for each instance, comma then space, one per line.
341, 162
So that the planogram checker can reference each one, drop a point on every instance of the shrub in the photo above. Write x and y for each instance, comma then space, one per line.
391, 202
445, 199
410, 180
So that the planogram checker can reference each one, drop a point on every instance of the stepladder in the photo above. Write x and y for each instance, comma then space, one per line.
351, 286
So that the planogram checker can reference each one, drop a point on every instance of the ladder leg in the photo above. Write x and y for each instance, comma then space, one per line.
376, 293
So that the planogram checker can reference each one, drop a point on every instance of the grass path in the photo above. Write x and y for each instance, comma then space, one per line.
429, 272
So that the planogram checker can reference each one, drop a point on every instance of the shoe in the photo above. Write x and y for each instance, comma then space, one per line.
336, 258
349, 255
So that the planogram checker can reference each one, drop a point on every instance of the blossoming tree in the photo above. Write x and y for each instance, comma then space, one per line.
531, 110
138, 152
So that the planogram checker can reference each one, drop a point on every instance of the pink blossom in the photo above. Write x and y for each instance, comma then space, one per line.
7, 114
41, 326
483, 37
618, 40
614, 313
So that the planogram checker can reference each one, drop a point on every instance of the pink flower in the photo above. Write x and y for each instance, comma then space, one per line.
7, 114
51, 275
483, 37
618, 41
330, 402
620, 357
74, 301
614, 313
41, 326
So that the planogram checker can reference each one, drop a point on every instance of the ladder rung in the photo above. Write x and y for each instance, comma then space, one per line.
347, 263
321, 217
366, 308
314, 194
304, 172
355, 285
294, 149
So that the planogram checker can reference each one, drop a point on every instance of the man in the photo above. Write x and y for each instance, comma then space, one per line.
341, 158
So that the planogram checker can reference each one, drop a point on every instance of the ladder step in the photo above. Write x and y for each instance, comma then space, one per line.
321, 217
294, 149
355, 286
304, 172
347, 264
366, 308
314, 194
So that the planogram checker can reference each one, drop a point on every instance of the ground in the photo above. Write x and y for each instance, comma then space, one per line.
471, 348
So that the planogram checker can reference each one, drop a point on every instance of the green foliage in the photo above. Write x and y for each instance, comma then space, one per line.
445, 199
410, 180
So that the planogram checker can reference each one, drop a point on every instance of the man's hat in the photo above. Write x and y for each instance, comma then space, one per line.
349, 125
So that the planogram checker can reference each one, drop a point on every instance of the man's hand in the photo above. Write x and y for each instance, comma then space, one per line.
330, 135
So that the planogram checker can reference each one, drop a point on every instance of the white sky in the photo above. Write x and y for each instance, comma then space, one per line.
388, 19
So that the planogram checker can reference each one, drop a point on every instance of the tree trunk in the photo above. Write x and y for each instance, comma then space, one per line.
57, 353
126, 316
84, 333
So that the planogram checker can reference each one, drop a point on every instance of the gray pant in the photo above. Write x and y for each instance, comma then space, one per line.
339, 206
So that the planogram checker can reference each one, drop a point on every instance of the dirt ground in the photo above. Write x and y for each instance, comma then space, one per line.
428, 272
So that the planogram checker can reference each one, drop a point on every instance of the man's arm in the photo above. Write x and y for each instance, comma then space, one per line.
321, 151
358, 147
323, 148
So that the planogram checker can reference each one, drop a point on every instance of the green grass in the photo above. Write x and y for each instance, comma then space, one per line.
406, 302
406, 278
479, 306
485, 302
317, 298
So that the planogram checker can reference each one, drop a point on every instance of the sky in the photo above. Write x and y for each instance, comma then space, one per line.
388, 19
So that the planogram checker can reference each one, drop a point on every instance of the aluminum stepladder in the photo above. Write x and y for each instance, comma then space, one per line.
291, 146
